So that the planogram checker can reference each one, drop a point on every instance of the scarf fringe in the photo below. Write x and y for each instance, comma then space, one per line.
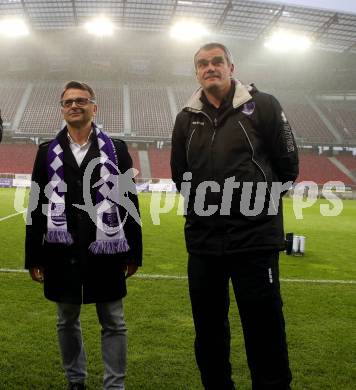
59, 237
109, 247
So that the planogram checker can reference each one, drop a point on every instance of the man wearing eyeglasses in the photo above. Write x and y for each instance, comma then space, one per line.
83, 254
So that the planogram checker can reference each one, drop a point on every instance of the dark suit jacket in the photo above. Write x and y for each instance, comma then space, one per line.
72, 274
1, 128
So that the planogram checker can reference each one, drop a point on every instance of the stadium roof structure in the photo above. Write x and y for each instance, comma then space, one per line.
241, 19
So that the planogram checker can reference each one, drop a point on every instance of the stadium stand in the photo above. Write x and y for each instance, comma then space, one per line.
135, 160
150, 111
342, 115
10, 95
306, 123
320, 169
349, 162
317, 168
17, 158
42, 114
182, 93
151, 114
110, 101
160, 162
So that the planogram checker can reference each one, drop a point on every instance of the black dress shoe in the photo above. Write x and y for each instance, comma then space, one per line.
76, 386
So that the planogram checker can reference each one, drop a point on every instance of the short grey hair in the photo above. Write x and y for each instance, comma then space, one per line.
213, 45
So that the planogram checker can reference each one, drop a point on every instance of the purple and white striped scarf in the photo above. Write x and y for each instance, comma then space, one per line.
110, 235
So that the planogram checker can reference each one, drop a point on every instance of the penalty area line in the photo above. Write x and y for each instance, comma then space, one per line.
182, 277
14, 271
315, 281
11, 216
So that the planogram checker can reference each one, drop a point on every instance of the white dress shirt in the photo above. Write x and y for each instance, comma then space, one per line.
79, 151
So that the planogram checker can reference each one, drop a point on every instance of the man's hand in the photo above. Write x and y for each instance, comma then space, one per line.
129, 269
37, 274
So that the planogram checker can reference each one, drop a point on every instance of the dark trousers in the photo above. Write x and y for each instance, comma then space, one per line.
255, 280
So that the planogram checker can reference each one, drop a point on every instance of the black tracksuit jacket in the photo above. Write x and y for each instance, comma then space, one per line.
249, 141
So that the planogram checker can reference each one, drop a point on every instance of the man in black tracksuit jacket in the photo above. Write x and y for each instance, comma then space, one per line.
231, 146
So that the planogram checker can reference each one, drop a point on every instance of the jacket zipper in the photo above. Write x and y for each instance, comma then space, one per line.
256, 163
215, 125
188, 146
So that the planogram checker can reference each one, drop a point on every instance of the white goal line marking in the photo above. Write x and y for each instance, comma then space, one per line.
11, 215
182, 277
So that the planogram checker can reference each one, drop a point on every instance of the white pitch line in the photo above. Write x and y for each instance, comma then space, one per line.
11, 215
325, 281
182, 277
155, 276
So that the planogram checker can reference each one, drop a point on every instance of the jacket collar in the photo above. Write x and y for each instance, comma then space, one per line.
241, 96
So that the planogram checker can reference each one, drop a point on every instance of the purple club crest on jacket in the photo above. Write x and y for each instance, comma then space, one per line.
248, 108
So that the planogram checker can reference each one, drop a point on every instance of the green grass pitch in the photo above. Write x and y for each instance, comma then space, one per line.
320, 316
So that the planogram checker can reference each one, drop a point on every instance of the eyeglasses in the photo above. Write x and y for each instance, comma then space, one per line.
79, 102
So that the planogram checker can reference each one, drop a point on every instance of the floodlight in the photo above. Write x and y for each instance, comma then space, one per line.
188, 30
101, 27
13, 28
284, 41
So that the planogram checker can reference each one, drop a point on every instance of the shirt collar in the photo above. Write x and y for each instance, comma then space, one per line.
72, 142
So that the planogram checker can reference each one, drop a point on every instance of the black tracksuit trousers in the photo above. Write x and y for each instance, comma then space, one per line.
255, 280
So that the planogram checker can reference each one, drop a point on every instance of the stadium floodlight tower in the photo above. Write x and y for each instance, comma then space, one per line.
188, 30
286, 41
13, 28
101, 27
